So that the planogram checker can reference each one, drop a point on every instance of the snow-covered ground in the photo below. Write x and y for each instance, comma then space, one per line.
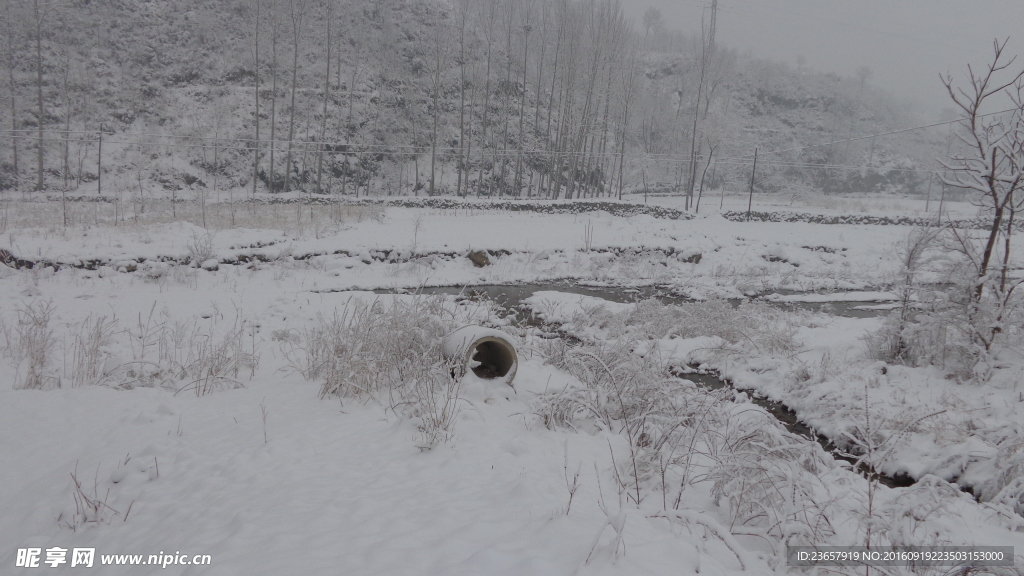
961, 432
422, 247
174, 417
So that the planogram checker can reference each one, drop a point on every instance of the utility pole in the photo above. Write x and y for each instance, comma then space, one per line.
750, 202
99, 169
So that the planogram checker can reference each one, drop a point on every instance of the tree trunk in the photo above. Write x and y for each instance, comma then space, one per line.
14, 108
491, 15
256, 94
464, 9
272, 181
437, 111
551, 102
296, 15
41, 112
522, 109
327, 88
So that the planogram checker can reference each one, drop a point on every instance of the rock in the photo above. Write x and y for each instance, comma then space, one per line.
479, 258
212, 265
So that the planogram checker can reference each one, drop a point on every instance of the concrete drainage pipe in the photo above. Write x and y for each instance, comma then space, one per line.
489, 353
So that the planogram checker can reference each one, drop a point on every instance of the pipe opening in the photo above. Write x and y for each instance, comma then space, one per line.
496, 359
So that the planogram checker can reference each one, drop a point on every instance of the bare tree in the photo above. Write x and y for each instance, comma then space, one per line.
506, 90
628, 93
463, 9
274, 15
328, 17
40, 9
256, 93
994, 169
559, 36
65, 61
490, 16
652, 21
296, 11
706, 54
10, 57
527, 27
440, 56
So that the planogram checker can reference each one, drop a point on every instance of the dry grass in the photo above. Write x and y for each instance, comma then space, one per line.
123, 212
367, 349
31, 345
391, 354
90, 347
90, 507
771, 483
155, 351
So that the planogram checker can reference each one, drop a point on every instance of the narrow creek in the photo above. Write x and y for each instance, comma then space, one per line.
512, 298
785, 415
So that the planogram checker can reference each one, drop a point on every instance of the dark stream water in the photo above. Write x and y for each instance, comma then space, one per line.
788, 418
512, 299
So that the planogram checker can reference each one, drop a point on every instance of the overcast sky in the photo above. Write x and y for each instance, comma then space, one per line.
906, 43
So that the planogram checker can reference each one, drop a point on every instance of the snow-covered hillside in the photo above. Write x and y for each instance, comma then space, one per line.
416, 96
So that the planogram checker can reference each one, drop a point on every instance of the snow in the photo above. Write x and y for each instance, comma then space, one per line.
267, 477
849, 296
735, 257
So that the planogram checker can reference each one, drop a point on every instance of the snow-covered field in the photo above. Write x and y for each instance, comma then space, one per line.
178, 411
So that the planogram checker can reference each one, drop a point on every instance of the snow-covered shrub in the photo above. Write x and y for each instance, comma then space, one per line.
434, 403
950, 329
89, 350
157, 351
1007, 487
921, 515
966, 326
916, 252
773, 483
200, 249
212, 361
620, 388
935, 336
679, 435
31, 346
626, 394
367, 348
179, 355
389, 353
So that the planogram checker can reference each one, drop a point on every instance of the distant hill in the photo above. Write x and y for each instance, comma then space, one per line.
420, 96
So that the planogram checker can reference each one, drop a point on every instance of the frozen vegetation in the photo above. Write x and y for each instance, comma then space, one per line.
236, 391
233, 242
